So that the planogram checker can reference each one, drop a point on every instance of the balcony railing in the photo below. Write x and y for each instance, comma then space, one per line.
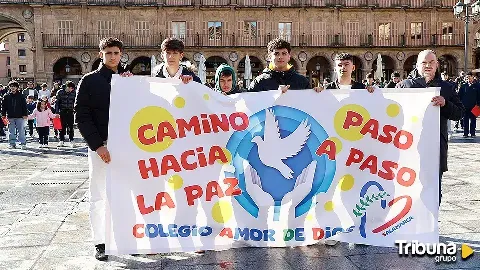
61, 2
103, 2
232, 40
23, 2
217, 2
141, 2
255, 3
176, 3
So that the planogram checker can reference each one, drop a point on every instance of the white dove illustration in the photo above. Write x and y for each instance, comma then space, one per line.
272, 150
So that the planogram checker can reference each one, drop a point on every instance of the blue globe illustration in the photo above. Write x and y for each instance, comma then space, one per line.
242, 148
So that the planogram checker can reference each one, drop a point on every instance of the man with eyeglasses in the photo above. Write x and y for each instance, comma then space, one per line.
426, 75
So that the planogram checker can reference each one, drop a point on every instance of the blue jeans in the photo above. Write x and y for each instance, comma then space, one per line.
16, 126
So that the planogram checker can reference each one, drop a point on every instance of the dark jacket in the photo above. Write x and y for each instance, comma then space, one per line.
271, 80
469, 95
336, 85
92, 105
31, 107
391, 84
26, 93
65, 101
14, 105
453, 109
158, 72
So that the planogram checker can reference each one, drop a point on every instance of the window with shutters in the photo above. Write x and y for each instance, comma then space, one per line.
447, 30
352, 32
22, 68
22, 53
319, 31
285, 30
384, 31
21, 37
65, 27
214, 30
104, 28
250, 30
416, 29
142, 28
179, 29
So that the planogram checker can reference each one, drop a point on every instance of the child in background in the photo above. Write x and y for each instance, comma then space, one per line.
43, 116
54, 100
30, 107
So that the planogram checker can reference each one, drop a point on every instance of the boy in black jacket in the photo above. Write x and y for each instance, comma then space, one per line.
279, 72
92, 106
14, 108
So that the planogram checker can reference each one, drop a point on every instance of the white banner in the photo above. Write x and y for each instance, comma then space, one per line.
193, 169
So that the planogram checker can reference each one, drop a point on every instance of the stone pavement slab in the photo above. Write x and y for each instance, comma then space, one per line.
44, 222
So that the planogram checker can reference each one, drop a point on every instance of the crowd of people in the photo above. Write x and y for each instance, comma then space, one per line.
24, 111
92, 114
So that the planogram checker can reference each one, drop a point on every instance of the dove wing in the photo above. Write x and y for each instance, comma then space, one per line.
293, 144
271, 132
307, 174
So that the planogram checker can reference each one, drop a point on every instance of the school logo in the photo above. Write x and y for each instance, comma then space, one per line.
277, 153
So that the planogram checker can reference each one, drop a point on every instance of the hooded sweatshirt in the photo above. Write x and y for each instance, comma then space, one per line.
219, 71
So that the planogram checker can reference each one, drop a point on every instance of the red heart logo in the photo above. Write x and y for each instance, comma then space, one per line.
404, 212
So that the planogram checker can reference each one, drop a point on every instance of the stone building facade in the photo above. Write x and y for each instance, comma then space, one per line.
66, 32
19, 57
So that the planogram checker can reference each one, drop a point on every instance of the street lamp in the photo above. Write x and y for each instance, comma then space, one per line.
458, 10
67, 67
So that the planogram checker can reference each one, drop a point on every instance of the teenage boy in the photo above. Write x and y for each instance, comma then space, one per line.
172, 54
344, 68
92, 111
226, 80
279, 73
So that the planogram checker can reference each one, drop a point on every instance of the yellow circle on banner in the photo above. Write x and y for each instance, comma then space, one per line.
206, 97
309, 217
151, 116
227, 154
222, 211
414, 119
346, 182
338, 144
328, 206
352, 133
179, 102
393, 110
175, 182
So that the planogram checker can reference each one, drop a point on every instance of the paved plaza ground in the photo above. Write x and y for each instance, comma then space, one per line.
44, 221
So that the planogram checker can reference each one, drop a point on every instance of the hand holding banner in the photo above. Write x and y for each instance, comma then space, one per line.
197, 170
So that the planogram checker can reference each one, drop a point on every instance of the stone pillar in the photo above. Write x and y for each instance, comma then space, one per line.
302, 71
39, 54
49, 78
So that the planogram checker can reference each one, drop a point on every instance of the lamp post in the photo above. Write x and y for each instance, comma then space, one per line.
67, 67
458, 10
317, 68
